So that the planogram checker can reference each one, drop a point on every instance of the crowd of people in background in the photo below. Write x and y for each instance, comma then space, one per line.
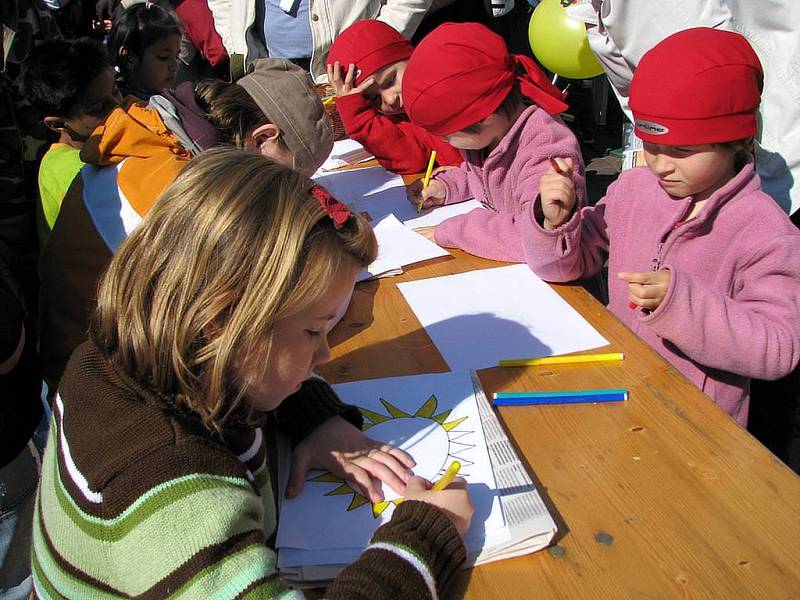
169, 272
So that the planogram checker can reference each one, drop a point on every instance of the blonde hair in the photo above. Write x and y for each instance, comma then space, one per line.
235, 244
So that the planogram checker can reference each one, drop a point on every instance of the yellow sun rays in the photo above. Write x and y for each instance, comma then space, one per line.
372, 418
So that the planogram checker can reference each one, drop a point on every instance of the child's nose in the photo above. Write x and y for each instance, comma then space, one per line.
323, 353
392, 101
661, 164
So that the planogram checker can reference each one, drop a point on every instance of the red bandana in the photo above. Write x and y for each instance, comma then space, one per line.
461, 72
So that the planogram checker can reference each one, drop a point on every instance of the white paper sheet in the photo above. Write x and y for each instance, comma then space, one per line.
398, 247
433, 216
379, 193
373, 190
344, 153
434, 418
476, 319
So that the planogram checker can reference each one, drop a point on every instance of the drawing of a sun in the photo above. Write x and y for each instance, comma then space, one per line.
429, 438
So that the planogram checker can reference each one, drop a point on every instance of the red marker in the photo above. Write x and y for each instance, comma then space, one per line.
632, 305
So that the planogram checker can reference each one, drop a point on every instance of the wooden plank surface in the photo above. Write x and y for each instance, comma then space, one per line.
662, 496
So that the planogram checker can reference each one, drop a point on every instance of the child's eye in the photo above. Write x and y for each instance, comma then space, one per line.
311, 333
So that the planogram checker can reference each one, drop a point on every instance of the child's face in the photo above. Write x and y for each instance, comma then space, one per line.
696, 171
386, 92
99, 99
158, 66
486, 134
300, 343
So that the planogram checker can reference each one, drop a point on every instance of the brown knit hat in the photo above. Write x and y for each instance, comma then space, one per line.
285, 94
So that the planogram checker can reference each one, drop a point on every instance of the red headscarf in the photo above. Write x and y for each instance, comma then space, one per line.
369, 45
460, 73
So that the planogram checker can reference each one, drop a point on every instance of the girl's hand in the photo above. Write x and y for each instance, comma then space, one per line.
647, 290
557, 193
344, 86
339, 447
433, 195
454, 500
428, 232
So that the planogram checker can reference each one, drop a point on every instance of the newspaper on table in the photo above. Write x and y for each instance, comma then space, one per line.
530, 525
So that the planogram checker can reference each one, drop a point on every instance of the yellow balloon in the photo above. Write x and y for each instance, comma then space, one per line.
560, 42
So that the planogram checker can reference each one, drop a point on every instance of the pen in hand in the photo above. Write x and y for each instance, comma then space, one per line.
555, 167
427, 179
448, 476
444, 480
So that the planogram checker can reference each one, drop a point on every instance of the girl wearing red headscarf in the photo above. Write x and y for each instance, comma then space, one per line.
365, 66
462, 84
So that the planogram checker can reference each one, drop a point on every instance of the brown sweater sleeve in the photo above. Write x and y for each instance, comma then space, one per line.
412, 557
312, 405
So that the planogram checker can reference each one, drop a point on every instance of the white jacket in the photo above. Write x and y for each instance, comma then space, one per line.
621, 31
234, 20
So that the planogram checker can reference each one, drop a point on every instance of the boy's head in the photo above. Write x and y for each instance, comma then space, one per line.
461, 73
71, 82
377, 51
290, 125
698, 86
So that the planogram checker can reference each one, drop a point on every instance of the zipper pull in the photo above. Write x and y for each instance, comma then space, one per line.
656, 262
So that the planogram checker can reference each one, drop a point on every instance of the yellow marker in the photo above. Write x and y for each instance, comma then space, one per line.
561, 360
427, 179
444, 481
329, 100
448, 476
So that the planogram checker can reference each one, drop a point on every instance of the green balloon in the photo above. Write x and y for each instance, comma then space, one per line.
560, 43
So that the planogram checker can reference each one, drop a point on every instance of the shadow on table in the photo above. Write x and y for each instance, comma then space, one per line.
415, 353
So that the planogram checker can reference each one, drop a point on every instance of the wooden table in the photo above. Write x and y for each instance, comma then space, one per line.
662, 496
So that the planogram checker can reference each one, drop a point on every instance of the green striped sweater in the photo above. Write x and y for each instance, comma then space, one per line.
137, 500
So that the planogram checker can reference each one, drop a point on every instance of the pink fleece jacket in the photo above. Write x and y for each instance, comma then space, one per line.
732, 310
506, 182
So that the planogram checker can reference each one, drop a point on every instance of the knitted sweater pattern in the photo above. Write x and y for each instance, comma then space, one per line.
141, 500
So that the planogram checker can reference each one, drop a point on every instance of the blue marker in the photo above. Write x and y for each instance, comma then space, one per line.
565, 397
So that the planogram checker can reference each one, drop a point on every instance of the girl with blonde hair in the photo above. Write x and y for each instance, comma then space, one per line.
210, 321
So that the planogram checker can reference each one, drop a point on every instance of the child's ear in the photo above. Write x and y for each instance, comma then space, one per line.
269, 133
56, 124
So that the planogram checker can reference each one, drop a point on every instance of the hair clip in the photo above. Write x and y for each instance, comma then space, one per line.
337, 211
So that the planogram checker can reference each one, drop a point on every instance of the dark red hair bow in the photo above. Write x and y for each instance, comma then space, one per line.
337, 211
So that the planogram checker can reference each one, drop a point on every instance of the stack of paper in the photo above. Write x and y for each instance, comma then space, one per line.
345, 153
437, 419
398, 246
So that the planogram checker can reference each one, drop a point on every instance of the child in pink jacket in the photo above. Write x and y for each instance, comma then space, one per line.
703, 265
502, 112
